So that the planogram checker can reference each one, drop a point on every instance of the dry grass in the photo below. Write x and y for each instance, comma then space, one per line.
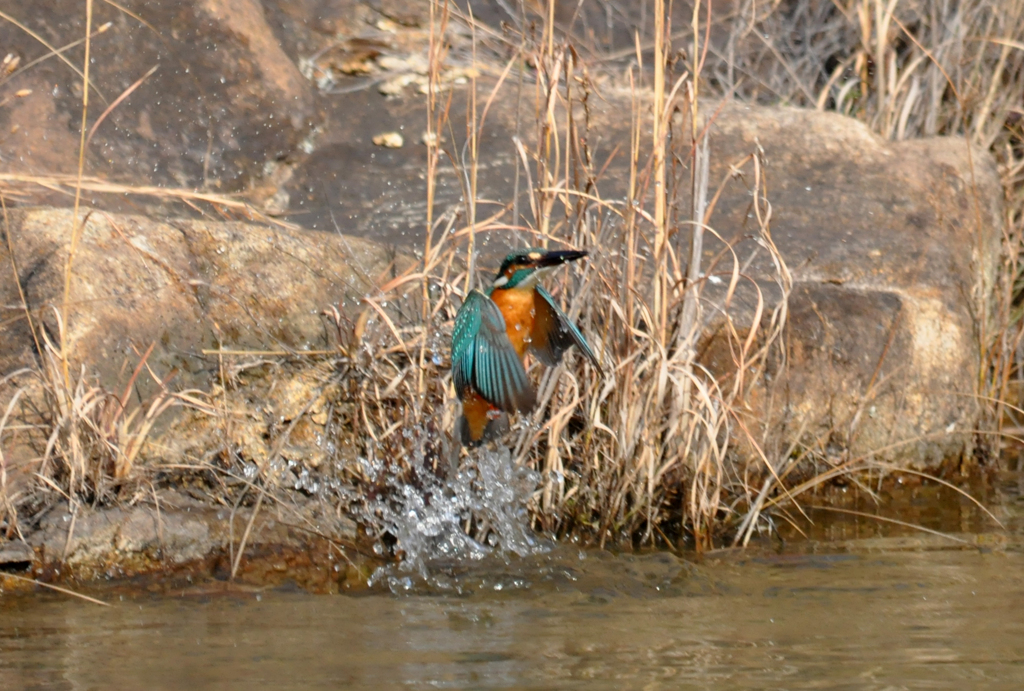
86, 440
650, 451
618, 461
646, 452
600, 451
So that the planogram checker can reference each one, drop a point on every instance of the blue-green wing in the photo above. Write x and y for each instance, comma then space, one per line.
483, 358
554, 332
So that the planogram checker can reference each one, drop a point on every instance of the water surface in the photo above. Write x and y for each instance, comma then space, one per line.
876, 618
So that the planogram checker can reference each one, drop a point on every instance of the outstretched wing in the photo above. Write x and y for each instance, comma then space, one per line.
554, 332
483, 358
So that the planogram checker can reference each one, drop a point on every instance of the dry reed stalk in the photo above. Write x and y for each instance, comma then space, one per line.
11, 184
658, 147
56, 588
8, 503
76, 227
435, 62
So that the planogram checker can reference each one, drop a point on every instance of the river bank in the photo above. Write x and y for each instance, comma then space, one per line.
247, 318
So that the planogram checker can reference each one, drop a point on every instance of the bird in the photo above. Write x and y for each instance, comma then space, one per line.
493, 330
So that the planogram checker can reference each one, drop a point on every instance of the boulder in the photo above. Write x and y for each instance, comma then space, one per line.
893, 249
183, 285
223, 103
175, 529
104, 536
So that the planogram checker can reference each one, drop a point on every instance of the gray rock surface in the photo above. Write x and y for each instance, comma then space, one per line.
16, 552
224, 100
177, 530
894, 250
99, 537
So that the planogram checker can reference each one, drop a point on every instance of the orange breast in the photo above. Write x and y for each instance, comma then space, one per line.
519, 312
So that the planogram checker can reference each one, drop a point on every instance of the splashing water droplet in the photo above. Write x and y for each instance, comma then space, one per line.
427, 515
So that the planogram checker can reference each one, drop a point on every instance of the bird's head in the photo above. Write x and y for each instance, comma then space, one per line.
524, 268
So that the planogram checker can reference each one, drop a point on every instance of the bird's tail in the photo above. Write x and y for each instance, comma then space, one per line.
494, 429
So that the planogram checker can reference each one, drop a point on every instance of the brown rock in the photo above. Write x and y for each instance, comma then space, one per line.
180, 537
180, 531
225, 98
893, 249
16, 553
115, 535
184, 285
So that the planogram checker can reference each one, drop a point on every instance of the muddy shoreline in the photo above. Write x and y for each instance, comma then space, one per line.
181, 539
188, 542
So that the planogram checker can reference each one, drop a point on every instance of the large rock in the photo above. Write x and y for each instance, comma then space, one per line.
175, 530
893, 249
224, 102
184, 285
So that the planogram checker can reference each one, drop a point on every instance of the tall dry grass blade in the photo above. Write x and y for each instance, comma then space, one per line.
57, 588
3, 426
894, 521
77, 229
110, 109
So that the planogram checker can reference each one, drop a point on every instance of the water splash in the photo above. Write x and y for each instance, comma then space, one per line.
428, 516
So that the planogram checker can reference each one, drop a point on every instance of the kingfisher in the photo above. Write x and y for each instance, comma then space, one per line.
494, 329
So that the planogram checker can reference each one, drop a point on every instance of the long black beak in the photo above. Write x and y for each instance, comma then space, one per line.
560, 257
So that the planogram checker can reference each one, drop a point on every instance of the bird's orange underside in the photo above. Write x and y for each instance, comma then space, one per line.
477, 412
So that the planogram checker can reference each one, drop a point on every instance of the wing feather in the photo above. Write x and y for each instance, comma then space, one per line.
554, 332
483, 358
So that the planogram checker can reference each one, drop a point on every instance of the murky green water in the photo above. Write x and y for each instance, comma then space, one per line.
877, 619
